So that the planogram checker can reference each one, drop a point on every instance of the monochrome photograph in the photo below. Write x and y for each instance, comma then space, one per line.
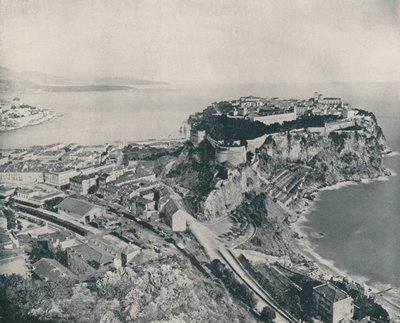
199, 161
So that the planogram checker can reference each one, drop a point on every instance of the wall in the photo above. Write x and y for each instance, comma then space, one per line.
343, 311
329, 127
179, 221
255, 143
22, 177
270, 119
59, 178
234, 155
197, 136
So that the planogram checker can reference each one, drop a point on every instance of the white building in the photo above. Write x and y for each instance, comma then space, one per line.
80, 210
176, 215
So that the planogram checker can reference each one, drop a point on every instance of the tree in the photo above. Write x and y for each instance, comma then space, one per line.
249, 156
51, 204
267, 315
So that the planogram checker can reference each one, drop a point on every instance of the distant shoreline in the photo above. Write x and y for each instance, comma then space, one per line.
48, 117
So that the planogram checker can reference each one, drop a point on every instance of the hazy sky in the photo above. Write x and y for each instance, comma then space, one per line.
192, 41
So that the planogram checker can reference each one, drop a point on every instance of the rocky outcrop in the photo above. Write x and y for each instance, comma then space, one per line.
330, 158
228, 194
305, 162
166, 293
290, 164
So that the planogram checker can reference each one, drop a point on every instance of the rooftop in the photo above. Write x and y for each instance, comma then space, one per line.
51, 269
331, 292
61, 235
80, 178
75, 206
94, 251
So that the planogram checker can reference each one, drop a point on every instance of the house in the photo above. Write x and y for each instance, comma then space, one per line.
349, 114
333, 304
148, 194
109, 192
59, 178
80, 210
50, 155
197, 136
81, 183
176, 215
50, 269
128, 253
86, 259
58, 240
144, 206
6, 191
37, 196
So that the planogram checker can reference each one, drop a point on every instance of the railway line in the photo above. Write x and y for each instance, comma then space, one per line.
234, 264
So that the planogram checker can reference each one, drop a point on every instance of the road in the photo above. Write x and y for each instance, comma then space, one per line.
217, 250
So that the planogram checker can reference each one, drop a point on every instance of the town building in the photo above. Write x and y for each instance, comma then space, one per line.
331, 101
128, 253
50, 155
109, 192
80, 184
37, 196
333, 304
144, 207
59, 178
80, 210
319, 98
197, 136
300, 110
50, 269
58, 240
29, 177
86, 259
349, 114
6, 191
176, 215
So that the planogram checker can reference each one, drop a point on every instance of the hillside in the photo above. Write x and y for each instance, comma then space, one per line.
11, 80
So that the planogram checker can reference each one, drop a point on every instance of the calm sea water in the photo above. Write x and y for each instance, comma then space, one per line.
361, 223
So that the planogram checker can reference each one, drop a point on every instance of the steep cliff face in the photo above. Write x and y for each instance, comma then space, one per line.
228, 194
330, 158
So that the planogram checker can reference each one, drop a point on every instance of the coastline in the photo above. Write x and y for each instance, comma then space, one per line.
327, 268
48, 117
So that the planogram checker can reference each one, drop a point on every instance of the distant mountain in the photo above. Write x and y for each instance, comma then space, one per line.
123, 81
30, 80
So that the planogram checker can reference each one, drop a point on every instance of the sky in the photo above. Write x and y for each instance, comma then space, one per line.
201, 41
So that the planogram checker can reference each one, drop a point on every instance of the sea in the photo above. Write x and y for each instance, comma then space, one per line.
360, 223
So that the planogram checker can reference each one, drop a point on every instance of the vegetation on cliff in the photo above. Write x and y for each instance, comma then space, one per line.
197, 172
232, 129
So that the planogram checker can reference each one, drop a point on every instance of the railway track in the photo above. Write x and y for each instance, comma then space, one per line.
284, 315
